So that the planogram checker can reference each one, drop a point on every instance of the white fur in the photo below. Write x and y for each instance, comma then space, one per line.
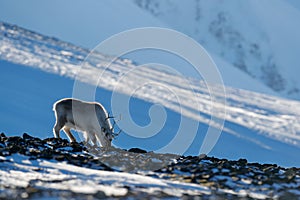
91, 118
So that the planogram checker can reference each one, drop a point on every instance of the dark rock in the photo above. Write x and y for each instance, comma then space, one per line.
59, 157
15, 141
27, 137
3, 137
290, 173
137, 150
76, 147
242, 161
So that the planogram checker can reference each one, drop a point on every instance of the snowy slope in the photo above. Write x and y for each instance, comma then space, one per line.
81, 23
100, 20
258, 127
262, 38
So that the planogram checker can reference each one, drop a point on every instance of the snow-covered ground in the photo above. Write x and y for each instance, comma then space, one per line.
261, 38
258, 127
63, 176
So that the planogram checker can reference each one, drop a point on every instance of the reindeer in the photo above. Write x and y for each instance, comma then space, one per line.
91, 118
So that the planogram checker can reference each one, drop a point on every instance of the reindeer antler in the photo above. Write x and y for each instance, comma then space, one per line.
117, 134
113, 125
109, 117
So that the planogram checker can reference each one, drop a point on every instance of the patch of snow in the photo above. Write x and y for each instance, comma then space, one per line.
63, 176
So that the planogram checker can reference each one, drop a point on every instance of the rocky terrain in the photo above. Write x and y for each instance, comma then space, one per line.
32, 168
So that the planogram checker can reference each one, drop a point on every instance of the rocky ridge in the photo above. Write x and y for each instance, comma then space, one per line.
223, 178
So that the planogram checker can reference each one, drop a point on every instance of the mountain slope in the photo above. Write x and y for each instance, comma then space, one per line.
258, 127
259, 37
81, 23
94, 26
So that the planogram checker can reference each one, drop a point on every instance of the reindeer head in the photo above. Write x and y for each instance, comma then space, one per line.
108, 136
108, 131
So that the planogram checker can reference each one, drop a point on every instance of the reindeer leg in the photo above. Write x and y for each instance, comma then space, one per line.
100, 138
93, 138
90, 137
56, 129
69, 134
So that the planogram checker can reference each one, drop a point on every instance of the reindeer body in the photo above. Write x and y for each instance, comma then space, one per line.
91, 118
